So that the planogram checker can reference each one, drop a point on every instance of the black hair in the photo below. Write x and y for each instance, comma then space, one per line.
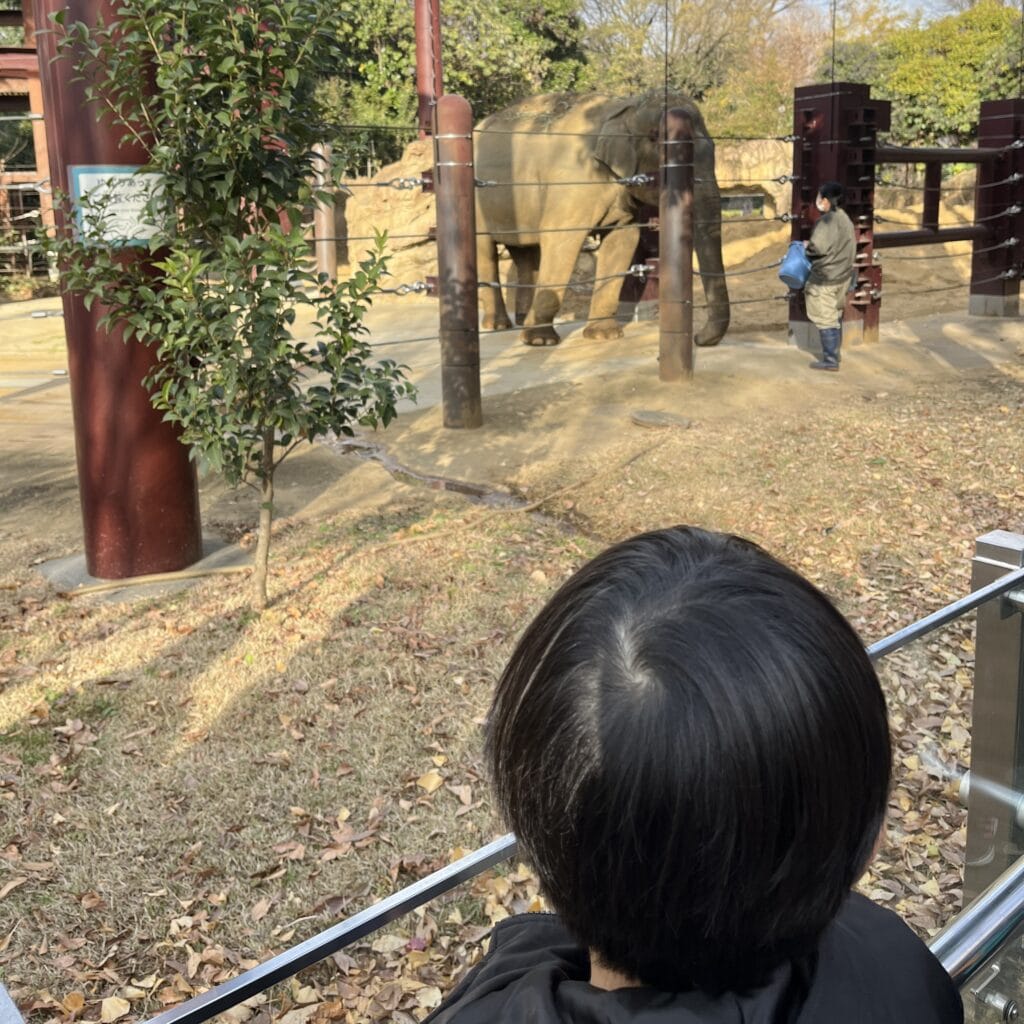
834, 193
692, 747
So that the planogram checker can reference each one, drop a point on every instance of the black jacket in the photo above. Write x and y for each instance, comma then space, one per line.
869, 968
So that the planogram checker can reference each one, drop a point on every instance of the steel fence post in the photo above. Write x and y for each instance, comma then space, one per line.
997, 730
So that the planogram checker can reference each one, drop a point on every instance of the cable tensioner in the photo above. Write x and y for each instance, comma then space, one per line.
415, 288
406, 184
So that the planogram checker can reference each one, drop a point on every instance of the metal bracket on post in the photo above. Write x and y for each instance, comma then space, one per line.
1013, 603
994, 839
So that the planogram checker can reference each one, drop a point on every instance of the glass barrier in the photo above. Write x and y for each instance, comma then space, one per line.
918, 872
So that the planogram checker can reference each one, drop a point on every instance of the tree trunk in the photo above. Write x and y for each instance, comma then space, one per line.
259, 575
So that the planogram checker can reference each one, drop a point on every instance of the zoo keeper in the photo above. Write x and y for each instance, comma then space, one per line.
831, 250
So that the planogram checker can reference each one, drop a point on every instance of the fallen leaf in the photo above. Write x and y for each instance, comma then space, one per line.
428, 997
388, 944
12, 885
431, 781
73, 1002
92, 901
113, 1008
300, 1015
260, 909
303, 995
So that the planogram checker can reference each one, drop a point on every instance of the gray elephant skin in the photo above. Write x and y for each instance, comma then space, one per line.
556, 160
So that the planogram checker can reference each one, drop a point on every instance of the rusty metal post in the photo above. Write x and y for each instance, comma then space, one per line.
835, 128
324, 243
429, 78
140, 506
675, 258
454, 184
999, 207
932, 195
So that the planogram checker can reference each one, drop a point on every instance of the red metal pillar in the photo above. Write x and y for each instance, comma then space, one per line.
1000, 189
429, 77
140, 506
836, 126
454, 184
675, 261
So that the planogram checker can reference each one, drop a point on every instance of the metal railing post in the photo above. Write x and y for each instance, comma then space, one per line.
675, 253
454, 186
997, 741
998, 210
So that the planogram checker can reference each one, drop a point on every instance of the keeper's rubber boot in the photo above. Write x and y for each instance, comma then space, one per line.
831, 340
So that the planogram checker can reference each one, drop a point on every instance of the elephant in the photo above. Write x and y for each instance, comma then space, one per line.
555, 161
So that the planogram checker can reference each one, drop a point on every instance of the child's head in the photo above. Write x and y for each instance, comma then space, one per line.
692, 747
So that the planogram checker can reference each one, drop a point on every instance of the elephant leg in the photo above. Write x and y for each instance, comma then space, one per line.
492, 305
707, 236
557, 259
527, 261
613, 258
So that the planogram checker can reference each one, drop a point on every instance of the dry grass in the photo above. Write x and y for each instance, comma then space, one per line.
181, 754
185, 788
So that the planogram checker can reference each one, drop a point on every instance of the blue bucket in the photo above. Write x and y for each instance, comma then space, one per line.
795, 266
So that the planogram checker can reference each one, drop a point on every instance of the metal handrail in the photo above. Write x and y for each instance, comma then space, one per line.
943, 616
963, 946
976, 933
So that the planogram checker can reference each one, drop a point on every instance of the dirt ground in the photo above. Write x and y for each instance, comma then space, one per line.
186, 788
559, 393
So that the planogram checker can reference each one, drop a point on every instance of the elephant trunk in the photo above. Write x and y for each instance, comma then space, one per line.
708, 243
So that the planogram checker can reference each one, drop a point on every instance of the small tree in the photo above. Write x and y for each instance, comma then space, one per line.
222, 96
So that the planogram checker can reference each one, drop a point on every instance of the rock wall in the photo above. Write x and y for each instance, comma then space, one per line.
407, 215
743, 168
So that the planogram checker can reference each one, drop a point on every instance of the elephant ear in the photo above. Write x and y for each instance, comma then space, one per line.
616, 146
